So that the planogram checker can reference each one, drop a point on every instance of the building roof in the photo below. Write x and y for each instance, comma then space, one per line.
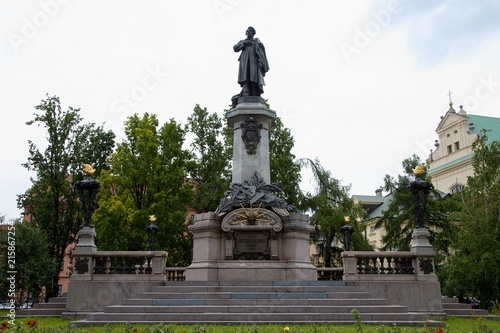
486, 123
379, 211
374, 205
374, 199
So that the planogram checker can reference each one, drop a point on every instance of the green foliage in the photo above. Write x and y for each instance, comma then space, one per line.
356, 316
474, 267
26, 243
285, 169
209, 168
51, 202
453, 325
399, 219
330, 204
147, 177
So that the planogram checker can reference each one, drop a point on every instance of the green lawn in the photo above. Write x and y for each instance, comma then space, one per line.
55, 325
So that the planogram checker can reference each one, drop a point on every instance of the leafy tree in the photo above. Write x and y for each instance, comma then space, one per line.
147, 177
330, 204
285, 169
51, 202
399, 219
34, 267
474, 267
211, 156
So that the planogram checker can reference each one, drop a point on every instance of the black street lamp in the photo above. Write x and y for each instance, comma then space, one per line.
420, 190
87, 189
347, 231
152, 229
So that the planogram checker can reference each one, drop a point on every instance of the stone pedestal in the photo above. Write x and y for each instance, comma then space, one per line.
86, 240
251, 121
214, 249
420, 242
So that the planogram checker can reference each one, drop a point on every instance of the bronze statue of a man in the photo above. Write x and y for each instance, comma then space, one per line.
253, 65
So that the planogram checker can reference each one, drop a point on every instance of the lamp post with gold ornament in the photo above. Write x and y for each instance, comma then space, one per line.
87, 189
152, 229
347, 231
420, 190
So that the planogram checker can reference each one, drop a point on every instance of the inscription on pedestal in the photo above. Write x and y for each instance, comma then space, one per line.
251, 245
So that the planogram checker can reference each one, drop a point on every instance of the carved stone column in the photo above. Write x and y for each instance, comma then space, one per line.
250, 121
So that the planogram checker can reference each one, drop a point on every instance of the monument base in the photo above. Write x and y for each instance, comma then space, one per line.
211, 247
254, 270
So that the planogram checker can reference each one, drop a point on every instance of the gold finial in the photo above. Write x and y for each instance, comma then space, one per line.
419, 170
347, 219
152, 218
88, 169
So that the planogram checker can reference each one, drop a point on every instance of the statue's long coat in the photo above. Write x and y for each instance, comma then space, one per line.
249, 59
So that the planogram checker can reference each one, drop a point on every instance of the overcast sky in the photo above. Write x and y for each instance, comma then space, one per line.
361, 84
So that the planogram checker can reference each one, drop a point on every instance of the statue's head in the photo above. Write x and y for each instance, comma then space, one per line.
251, 30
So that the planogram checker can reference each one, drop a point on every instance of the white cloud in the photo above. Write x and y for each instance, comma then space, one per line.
360, 118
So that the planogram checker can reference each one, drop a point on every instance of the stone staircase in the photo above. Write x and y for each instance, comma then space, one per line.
452, 308
285, 302
53, 308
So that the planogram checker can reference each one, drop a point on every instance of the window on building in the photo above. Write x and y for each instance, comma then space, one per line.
372, 229
457, 146
450, 150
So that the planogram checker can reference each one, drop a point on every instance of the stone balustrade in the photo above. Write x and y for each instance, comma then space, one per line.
369, 265
92, 265
175, 273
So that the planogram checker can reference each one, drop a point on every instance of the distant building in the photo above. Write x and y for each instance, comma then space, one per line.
374, 206
451, 162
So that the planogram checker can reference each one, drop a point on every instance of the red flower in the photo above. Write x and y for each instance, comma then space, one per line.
33, 323
135, 330
4, 326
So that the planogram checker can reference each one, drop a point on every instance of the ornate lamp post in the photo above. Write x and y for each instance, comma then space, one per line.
87, 189
152, 229
347, 231
420, 190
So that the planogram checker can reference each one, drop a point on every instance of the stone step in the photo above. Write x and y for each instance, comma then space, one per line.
56, 300
281, 302
466, 312
49, 305
254, 283
169, 307
37, 312
255, 302
53, 308
255, 295
200, 289
448, 300
242, 318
